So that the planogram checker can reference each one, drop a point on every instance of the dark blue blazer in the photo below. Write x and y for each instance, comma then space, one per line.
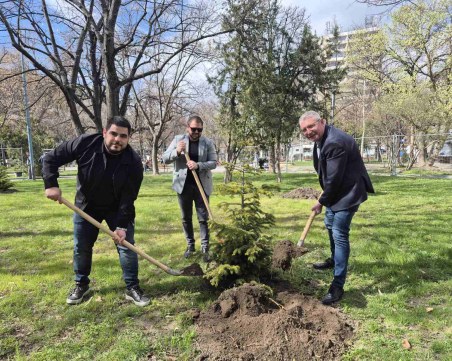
342, 174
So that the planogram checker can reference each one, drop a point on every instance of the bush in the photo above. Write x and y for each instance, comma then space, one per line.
243, 252
5, 182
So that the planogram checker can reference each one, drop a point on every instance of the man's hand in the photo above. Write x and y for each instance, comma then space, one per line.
120, 236
54, 193
192, 165
180, 147
317, 208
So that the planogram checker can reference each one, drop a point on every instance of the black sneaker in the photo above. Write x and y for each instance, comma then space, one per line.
189, 251
206, 255
77, 293
136, 295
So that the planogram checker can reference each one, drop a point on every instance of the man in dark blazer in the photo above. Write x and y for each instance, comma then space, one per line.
345, 183
203, 158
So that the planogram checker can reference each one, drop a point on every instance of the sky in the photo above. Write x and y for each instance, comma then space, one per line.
349, 14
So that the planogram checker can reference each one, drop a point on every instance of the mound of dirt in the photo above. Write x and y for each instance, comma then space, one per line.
193, 270
283, 253
246, 324
303, 193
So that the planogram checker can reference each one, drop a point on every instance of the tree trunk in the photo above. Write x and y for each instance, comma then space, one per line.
154, 156
434, 152
74, 114
272, 159
96, 99
229, 159
108, 55
422, 151
278, 161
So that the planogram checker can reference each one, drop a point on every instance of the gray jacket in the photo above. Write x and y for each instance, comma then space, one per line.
207, 160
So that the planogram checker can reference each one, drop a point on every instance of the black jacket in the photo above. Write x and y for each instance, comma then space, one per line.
341, 170
88, 151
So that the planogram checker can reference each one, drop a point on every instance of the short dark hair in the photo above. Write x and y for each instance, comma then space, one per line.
119, 121
195, 118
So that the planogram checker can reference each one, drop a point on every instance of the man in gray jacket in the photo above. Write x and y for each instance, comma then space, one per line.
203, 158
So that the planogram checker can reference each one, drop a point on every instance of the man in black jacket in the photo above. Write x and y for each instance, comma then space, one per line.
345, 183
108, 180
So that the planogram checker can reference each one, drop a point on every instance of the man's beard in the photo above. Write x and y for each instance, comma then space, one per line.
114, 151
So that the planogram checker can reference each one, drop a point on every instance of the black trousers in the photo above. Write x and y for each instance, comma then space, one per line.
191, 195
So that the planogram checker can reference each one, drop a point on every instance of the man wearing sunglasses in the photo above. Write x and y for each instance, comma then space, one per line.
345, 183
203, 158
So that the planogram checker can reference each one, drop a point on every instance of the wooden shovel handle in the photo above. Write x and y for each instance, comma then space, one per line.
307, 227
114, 236
201, 189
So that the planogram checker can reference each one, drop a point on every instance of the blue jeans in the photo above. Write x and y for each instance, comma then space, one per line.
190, 195
338, 226
85, 234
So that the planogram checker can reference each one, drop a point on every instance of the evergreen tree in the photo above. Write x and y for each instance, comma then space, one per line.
272, 68
5, 182
243, 252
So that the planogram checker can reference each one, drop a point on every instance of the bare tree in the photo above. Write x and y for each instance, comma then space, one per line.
384, 2
78, 44
413, 70
166, 96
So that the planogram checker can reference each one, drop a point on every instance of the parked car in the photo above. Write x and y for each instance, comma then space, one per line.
445, 154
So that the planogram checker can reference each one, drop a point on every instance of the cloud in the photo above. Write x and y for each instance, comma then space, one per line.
348, 14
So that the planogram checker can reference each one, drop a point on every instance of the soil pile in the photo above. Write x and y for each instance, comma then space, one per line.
192, 270
283, 253
302, 193
246, 323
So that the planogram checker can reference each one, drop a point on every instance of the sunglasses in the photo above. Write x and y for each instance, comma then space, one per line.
199, 130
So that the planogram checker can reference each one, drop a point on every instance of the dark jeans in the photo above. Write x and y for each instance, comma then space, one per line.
85, 234
338, 226
191, 195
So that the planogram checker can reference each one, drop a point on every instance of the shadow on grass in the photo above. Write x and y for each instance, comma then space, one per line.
391, 277
160, 196
52, 234
385, 277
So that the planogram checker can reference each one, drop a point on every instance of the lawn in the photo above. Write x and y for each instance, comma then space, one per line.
399, 284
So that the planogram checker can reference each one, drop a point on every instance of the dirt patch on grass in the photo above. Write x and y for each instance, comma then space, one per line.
192, 270
249, 323
283, 253
302, 193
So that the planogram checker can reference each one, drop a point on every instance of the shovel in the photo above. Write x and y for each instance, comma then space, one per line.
307, 227
192, 270
201, 190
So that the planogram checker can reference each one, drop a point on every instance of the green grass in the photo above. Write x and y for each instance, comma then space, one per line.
400, 268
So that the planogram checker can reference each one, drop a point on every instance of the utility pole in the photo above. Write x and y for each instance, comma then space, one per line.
333, 105
364, 118
31, 168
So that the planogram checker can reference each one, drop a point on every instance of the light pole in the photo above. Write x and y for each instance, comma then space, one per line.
31, 168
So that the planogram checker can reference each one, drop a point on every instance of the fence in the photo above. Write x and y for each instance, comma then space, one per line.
407, 151
392, 153
14, 159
